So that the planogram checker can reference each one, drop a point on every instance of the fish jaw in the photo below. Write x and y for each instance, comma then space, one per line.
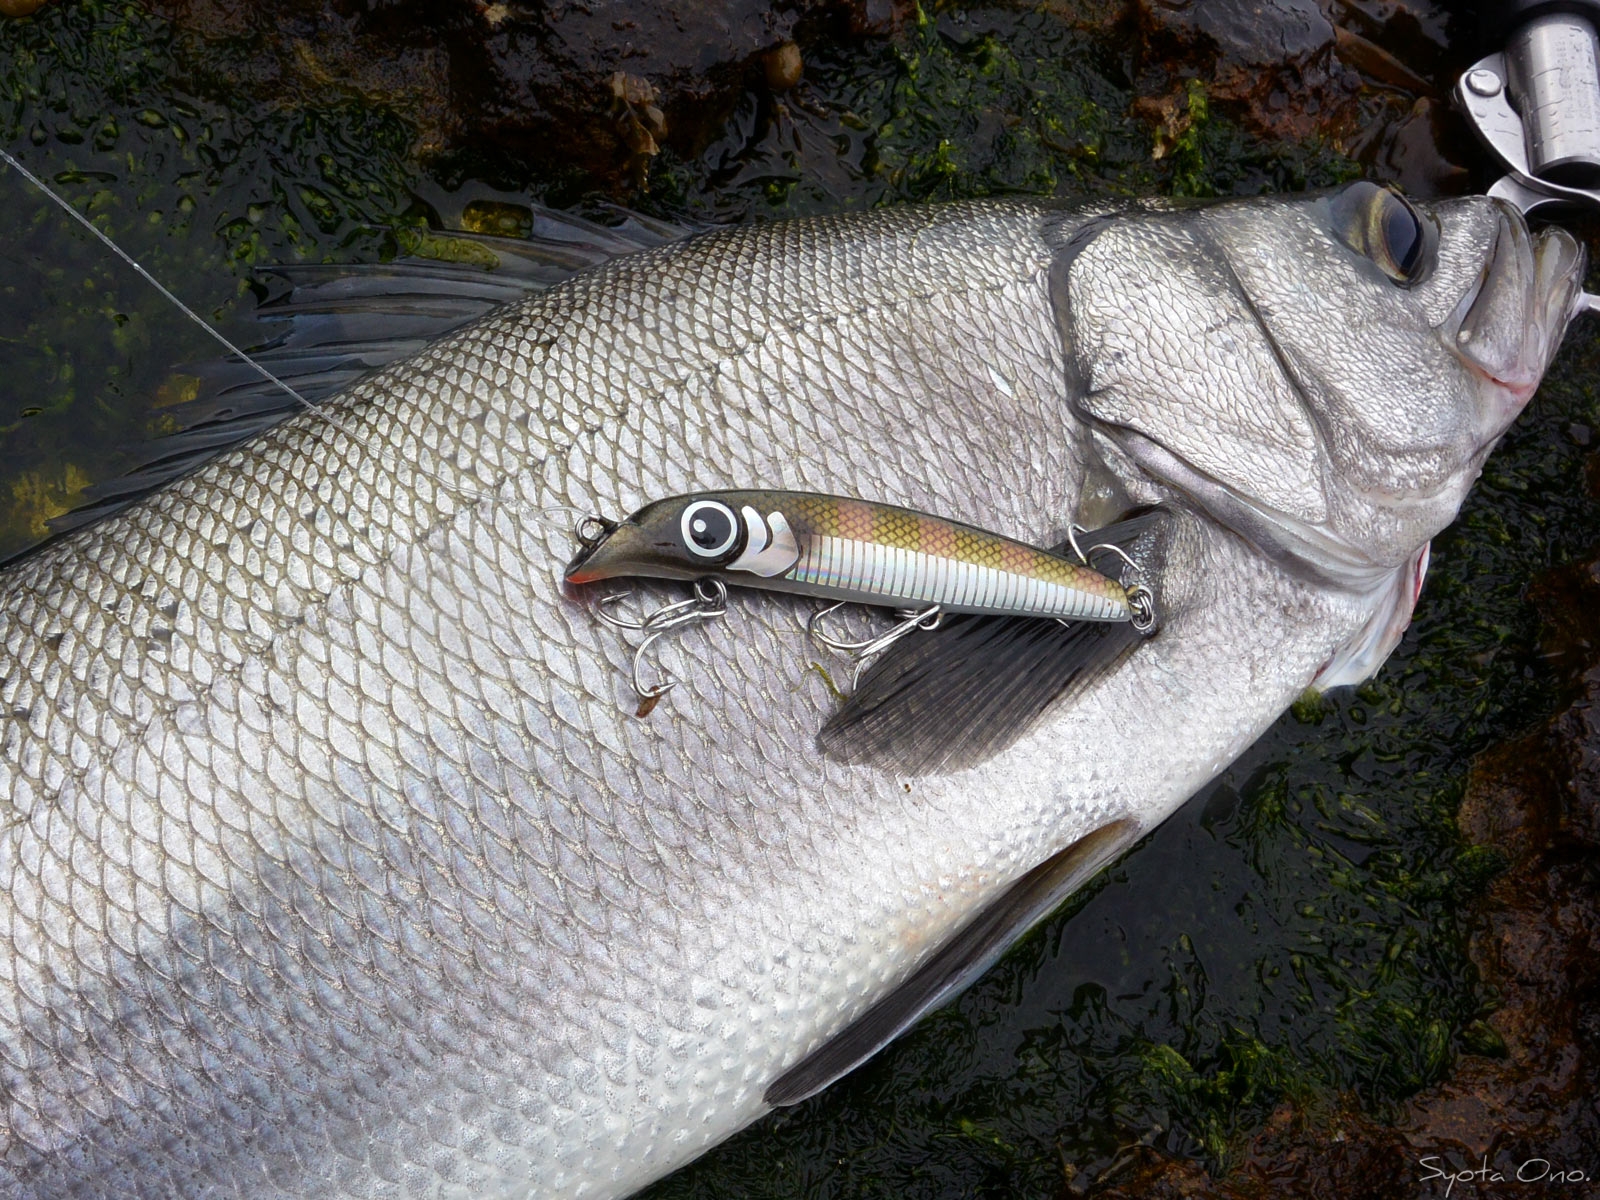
1508, 326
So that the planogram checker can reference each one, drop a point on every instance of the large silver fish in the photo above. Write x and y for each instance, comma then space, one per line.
334, 863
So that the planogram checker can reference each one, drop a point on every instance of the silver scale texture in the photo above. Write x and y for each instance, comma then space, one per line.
334, 863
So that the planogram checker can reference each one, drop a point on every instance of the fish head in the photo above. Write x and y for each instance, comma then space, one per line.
681, 537
1325, 374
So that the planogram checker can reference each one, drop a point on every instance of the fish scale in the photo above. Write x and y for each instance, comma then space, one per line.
335, 864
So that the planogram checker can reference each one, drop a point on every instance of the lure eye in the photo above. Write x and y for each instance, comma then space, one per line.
1381, 225
709, 528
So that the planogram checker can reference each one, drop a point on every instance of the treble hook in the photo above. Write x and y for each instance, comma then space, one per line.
1119, 552
710, 601
1083, 555
863, 651
1072, 540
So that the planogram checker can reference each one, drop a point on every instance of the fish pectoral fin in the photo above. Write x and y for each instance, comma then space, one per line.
952, 697
957, 964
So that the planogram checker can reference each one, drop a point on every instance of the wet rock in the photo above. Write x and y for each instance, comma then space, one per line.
1252, 54
303, 53
1538, 946
598, 86
1372, 79
783, 66
878, 18
1376, 62
1578, 731
1504, 808
1338, 1153
1429, 40
1263, 32
1568, 602
1424, 151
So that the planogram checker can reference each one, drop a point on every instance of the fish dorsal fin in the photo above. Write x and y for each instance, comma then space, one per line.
329, 325
955, 965
952, 697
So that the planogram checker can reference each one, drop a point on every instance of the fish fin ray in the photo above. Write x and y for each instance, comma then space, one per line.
955, 696
957, 964
331, 324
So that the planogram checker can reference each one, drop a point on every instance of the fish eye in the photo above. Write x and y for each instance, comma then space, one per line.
709, 528
1380, 224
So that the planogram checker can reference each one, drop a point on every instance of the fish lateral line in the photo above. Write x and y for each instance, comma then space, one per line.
217, 335
844, 551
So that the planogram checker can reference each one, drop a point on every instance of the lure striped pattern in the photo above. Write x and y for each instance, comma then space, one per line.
876, 553
838, 548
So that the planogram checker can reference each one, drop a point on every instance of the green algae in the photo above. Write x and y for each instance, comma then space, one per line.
972, 101
99, 99
1293, 933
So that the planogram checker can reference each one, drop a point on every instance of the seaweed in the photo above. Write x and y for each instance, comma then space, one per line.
101, 99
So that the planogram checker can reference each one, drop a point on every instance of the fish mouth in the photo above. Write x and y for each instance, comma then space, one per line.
1507, 327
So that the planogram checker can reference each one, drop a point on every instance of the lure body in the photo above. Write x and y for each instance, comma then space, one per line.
838, 548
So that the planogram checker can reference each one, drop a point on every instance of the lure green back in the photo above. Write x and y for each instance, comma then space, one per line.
838, 548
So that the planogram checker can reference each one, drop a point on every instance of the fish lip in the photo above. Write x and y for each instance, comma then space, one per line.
1530, 284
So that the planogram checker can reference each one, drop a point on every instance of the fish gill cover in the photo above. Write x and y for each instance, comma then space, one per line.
1298, 931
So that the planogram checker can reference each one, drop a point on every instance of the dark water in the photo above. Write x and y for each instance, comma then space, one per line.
1294, 932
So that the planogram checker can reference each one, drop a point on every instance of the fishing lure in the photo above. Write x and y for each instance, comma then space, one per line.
847, 551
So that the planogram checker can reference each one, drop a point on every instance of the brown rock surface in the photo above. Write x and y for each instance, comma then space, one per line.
1372, 78
598, 87
1253, 55
539, 81
1339, 1154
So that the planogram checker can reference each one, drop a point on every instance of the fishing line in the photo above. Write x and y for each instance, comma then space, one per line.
215, 333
